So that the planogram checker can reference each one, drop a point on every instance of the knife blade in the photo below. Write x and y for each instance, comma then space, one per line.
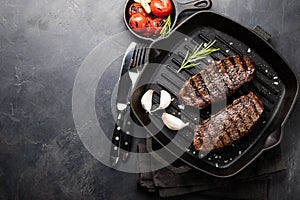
119, 137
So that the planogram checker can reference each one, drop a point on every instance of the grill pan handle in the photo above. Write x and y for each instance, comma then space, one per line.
262, 33
273, 139
194, 6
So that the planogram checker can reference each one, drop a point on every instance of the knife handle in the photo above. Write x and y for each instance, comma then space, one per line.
115, 146
126, 137
116, 135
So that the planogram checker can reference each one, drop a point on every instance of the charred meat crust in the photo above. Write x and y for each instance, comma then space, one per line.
228, 125
216, 81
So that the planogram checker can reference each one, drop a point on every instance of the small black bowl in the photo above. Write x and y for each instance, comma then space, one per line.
178, 8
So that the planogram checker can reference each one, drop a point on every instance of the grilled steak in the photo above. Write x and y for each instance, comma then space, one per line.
228, 125
216, 81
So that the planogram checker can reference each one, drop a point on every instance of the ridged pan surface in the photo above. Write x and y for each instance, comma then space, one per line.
274, 83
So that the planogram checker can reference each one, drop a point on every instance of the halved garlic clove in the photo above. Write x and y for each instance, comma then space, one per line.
173, 122
164, 100
146, 100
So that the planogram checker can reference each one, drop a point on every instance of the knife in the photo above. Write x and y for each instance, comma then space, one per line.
121, 138
136, 66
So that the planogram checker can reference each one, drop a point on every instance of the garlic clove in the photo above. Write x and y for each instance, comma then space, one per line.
173, 122
146, 100
164, 100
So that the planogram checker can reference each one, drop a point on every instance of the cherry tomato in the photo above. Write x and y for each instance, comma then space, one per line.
138, 23
157, 24
161, 8
149, 29
136, 8
153, 26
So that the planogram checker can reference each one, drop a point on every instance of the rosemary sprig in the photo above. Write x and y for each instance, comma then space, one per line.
197, 54
166, 27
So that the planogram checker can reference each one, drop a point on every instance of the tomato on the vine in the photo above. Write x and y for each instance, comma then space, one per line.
136, 8
161, 8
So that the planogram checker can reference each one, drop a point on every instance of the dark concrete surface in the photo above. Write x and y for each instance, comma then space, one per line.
42, 45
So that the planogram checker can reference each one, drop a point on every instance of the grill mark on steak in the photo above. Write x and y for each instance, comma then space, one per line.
193, 84
245, 118
211, 76
203, 137
218, 123
226, 78
211, 85
242, 70
230, 79
232, 70
255, 111
238, 69
215, 84
240, 107
240, 126
209, 81
249, 70
258, 104
225, 139
243, 63
229, 125
223, 86
232, 130
202, 88
211, 130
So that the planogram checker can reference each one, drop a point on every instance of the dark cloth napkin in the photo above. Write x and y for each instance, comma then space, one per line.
251, 183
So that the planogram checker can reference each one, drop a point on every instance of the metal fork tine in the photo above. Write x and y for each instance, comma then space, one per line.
143, 54
137, 50
135, 53
139, 55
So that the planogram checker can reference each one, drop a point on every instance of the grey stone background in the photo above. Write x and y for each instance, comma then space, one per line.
42, 45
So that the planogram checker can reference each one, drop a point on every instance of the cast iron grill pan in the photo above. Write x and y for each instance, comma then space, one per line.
274, 83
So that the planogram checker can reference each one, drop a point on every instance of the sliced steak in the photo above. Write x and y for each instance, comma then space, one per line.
228, 125
216, 81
